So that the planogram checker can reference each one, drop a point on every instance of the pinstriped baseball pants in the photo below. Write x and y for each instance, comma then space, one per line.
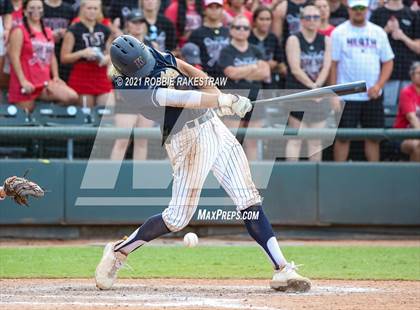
193, 153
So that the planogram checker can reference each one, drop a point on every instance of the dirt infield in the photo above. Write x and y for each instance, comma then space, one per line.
196, 294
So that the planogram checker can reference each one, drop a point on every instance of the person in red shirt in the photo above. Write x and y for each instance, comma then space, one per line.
324, 9
408, 115
186, 16
33, 62
17, 14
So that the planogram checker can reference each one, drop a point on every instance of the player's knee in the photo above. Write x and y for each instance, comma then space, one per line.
173, 223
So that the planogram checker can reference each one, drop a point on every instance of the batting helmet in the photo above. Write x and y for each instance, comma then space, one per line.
131, 57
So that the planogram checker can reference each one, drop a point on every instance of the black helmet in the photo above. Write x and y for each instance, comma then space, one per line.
131, 57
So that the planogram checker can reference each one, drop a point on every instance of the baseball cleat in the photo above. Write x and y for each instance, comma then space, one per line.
107, 269
288, 280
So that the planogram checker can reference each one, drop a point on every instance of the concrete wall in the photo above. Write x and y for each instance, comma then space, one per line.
297, 193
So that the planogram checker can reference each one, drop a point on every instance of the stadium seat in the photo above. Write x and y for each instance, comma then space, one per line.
10, 115
102, 113
390, 114
50, 114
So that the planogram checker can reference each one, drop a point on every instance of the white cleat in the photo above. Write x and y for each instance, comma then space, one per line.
107, 269
288, 280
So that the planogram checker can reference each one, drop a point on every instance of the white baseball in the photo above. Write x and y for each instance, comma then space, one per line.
190, 240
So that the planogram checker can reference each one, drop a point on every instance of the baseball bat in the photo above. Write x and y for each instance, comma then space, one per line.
339, 90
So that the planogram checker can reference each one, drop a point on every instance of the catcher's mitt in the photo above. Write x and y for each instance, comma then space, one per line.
20, 188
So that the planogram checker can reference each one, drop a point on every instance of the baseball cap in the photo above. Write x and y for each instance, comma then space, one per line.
208, 2
191, 53
135, 15
353, 3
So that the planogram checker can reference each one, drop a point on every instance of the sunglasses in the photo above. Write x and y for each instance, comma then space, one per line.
358, 8
240, 27
311, 17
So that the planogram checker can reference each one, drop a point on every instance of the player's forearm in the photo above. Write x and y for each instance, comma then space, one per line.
188, 99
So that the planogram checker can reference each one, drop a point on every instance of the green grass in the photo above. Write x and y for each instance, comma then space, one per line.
320, 262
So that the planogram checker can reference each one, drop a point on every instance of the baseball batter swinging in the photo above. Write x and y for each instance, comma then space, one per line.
197, 142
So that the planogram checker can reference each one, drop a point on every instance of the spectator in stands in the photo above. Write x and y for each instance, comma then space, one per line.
415, 6
286, 18
119, 11
212, 37
409, 112
361, 51
137, 27
271, 4
309, 58
190, 53
101, 19
34, 71
267, 42
5, 27
85, 45
235, 8
58, 16
17, 14
186, 16
245, 68
338, 12
161, 30
403, 28
326, 28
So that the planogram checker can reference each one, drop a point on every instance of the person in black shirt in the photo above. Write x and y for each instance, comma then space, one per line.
403, 28
286, 18
212, 37
160, 29
57, 16
338, 12
244, 65
119, 11
267, 42
309, 60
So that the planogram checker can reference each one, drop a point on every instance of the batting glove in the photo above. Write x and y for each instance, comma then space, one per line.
241, 106
233, 104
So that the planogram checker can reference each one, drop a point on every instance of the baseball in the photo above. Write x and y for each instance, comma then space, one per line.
190, 240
